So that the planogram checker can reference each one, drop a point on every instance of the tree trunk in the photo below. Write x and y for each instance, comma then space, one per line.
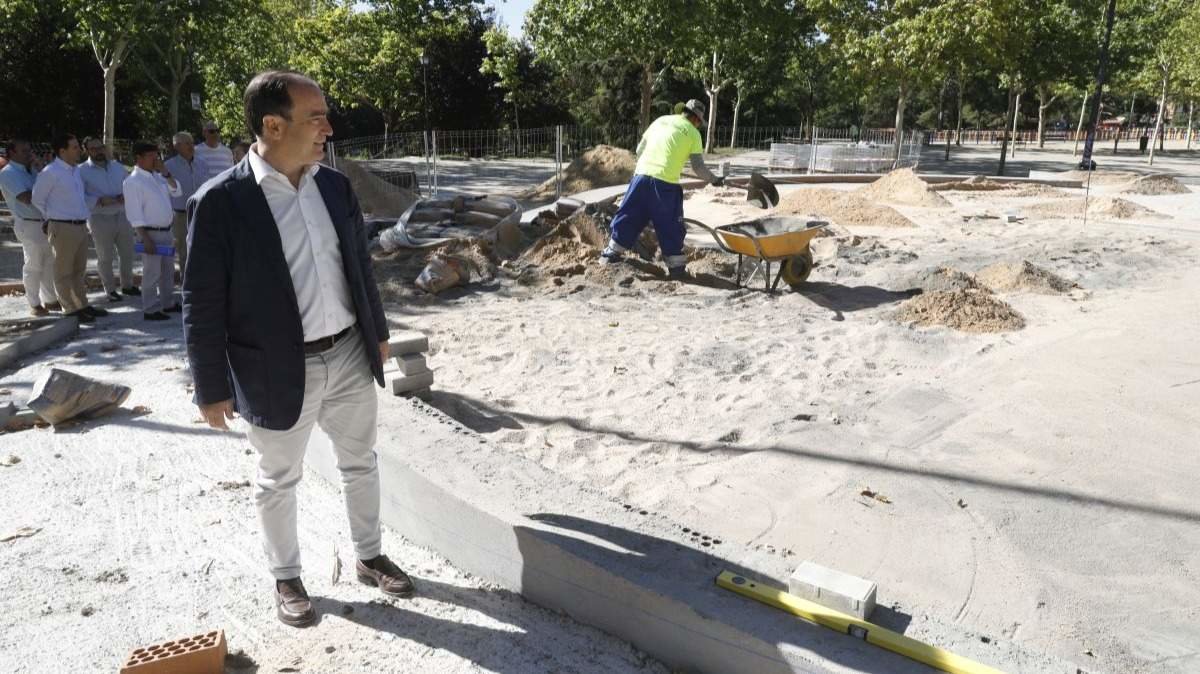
1162, 108
1009, 119
1191, 111
1079, 129
897, 144
1016, 115
962, 73
647, 95
1045, 100
737, 109
713, 89
109, 67
176, 67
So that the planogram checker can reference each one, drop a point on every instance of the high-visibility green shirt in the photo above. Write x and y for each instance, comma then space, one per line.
667, 144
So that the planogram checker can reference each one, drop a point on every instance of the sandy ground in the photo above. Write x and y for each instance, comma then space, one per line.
1036, 483
147, 533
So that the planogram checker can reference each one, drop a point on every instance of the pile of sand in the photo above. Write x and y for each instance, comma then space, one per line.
376, 196
972, 184
943, 279
902, 186
1023, 276
1038, 190
601, 166
729, 196
966, 310
847, 209
1106, 207
1156, 185
1101, 177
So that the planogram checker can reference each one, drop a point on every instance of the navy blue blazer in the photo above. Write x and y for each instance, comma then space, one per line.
241, 322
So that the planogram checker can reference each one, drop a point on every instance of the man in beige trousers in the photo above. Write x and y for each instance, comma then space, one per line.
58, 194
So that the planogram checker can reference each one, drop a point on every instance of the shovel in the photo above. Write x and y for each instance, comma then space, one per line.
760, 190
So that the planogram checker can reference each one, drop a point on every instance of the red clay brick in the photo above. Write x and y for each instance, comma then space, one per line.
199, 654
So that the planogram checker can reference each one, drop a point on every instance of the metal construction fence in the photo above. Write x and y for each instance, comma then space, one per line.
838, 151
996, 136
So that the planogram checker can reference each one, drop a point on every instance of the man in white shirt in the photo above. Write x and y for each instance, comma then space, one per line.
216, 156
283, 322
148, 205
190, 172
102, 179
58, 194
16, 183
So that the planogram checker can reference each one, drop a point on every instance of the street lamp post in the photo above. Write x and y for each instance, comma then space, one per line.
425, 106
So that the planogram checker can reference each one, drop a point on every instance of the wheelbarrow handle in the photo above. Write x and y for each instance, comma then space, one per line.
713, 231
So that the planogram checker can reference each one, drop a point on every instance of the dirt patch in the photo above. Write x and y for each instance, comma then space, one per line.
1156, 185
396, 272
903, 186
377, 196
1107, 207
1101, 177
601, 166
943, 279
972, 184
965, 310
1038, 190
728, 196
848, 209
1023, 276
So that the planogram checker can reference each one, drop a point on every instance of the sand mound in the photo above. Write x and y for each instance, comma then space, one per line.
847, 209
1156, 185
601, 166
568, 248
1038, 190
943, 279
1023, 276
902, 186
966, 310
729, 196
1108, 207
377, 196
1101, 177
972, 184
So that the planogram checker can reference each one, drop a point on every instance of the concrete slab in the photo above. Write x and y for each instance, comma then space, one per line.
401, 384
631, 573
407, 342
47, 332
411, 363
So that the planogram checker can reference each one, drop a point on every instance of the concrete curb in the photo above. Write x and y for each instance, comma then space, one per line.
54, 330
633, 574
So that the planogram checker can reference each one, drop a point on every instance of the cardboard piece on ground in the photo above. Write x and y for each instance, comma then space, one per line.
59, 395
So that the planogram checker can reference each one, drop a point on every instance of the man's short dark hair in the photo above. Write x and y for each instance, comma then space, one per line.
61, 142
10, 148
142, 147
267, 94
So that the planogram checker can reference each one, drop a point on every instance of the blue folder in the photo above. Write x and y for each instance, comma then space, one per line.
165, 251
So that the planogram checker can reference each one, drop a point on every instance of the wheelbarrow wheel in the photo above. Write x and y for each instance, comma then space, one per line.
797, 268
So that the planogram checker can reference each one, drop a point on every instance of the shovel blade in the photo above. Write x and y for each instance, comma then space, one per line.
760, 190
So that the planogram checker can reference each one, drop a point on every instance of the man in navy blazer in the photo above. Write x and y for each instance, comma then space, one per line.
284, 325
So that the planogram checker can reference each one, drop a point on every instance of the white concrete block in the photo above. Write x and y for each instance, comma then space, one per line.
401, 384
411, 363
408, 342
833, 589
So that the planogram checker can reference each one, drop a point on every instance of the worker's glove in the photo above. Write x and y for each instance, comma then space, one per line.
719, 181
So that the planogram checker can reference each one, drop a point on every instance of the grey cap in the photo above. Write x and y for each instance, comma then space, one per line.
695, 107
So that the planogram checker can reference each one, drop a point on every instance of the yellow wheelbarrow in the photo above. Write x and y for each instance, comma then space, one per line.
766, 241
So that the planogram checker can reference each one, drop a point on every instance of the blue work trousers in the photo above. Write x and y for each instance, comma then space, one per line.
650, 200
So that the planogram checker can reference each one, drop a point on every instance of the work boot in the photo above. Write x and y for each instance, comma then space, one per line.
609, 256
115, 296
39, 311
292, 605
54, 306
131, 291
384, 574
678, 273
83, 316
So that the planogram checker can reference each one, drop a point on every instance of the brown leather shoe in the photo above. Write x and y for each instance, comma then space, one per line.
54, 306
383, 573
292, 604
39, 311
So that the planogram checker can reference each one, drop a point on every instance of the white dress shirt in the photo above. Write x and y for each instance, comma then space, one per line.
148, 199
311, 247
58, 192
102, 181
17, 179
217, 158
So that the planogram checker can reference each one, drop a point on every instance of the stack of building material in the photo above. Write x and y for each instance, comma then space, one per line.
408, 374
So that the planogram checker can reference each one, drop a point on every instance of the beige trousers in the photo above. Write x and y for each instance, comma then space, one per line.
69, 243
38, 271
111, 232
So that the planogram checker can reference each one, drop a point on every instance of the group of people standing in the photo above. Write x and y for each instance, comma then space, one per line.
57, 206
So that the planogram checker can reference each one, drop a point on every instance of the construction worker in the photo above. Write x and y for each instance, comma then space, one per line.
654, 194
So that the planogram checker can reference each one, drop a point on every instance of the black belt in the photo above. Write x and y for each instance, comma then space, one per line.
179, 210
69, 222
325, 343
158, 229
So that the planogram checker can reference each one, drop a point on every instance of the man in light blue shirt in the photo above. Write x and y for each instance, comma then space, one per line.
16, 184
102, 180
58, 194
190, 171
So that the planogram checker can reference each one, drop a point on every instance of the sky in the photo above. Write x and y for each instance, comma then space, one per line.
512, 13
